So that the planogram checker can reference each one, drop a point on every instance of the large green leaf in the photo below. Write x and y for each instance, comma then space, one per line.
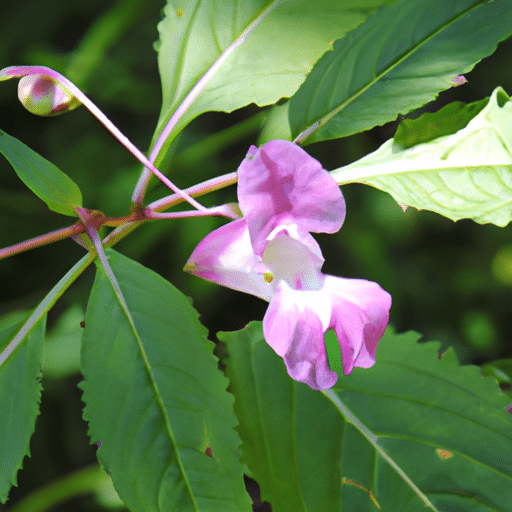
255, 51
20, 391
397, 60
55, 188
412, 433
291, 435
155, 398
466, 175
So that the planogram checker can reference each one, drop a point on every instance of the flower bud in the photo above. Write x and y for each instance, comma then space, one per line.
44, 96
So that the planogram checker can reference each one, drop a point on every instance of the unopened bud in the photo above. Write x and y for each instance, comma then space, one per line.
43, 96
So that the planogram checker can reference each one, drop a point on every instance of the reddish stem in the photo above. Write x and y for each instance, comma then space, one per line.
39, 241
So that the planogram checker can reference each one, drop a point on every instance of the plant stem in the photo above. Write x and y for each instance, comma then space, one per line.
45, 305
197, 190
39, 241
118, 234
191, 97
73, 90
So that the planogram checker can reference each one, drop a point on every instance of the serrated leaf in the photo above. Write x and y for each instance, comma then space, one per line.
466, 175
49, 183
443, 424
255, 51
412, 433
155, 398
397, 60
20, 392
283, 428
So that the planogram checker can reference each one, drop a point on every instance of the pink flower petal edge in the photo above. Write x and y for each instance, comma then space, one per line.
280, 183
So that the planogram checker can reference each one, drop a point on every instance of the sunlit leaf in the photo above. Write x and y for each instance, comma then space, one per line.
466, 175
397, 60
156, 399
55, 188
255, 51
414, 432
20, 391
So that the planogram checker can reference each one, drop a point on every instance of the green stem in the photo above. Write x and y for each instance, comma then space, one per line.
91, 479
167, 134
44, 306
114, 237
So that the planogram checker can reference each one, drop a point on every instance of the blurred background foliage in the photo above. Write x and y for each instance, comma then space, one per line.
449, 281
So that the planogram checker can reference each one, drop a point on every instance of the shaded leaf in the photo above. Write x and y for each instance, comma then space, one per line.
397, 60
501, 370
283, 428
155, 398
20, 392
263, 65
411, 433
63, 342
466, 175
443, 424
429, 126
55, 188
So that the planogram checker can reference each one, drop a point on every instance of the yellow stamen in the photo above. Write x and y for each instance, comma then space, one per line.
268, 277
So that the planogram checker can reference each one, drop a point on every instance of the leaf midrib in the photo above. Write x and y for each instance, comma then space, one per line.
373, 440
156, 393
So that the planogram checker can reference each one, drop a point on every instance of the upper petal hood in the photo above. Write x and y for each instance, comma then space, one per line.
280, 183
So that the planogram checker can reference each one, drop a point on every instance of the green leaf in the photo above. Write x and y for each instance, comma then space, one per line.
255, 51
466, 175
429, 126
444, 425
501, 370
156, 399
412, 433
282, 425
49, 183
397, 60
20, 392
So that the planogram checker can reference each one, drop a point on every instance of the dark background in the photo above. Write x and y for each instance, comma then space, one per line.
451, 282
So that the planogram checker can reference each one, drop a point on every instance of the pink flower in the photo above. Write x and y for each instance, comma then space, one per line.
284, 195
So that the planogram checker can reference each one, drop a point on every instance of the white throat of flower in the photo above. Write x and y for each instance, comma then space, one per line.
291, 261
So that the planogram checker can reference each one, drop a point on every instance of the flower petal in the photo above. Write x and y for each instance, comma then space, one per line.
359, 316
225, 256
280, 183
296, 333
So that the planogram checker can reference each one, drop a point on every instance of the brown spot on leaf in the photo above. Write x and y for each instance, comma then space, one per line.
444, 454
